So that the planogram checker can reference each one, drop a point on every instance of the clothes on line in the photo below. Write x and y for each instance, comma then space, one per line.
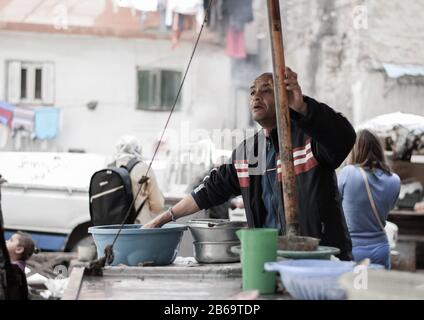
46, 123
6, 113
227, 17
237, 13
23, 119
37, 122
236, 47
186, 7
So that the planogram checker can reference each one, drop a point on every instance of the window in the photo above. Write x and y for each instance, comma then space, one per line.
23, 83
30, 82
38, 83
157, 89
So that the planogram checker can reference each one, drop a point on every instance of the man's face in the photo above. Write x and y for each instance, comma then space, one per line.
262, 103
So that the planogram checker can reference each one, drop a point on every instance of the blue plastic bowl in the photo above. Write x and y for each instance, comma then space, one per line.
136, 246
313, 279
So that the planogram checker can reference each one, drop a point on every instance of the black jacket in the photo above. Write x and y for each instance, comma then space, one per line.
321, 141
13, 284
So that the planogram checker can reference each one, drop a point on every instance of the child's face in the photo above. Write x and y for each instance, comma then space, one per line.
14, 247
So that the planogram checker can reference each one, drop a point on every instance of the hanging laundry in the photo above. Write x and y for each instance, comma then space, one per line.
213, 14
141, 5
162, 15
46, 123
180, 14
235, 44
177, 27
237, 13
205, 7
6, 113
186, 7
23, 119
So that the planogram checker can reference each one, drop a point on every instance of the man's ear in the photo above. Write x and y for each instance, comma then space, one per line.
19, 250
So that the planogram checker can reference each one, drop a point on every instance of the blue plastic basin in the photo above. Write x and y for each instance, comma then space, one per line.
314, 279
136, 246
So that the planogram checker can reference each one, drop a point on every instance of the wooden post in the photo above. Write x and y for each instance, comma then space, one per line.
283, 119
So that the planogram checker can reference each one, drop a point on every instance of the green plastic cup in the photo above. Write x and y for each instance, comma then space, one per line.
257, 247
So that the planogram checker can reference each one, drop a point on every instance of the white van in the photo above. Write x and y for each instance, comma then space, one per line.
46, 194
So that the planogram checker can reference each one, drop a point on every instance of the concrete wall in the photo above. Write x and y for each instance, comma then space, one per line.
394, 34
377, 94
104, 69
338, 47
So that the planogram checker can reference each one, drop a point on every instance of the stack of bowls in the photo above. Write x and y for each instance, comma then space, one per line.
214, 238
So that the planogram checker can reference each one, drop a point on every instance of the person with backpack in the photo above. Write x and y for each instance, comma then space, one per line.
128, 148
113, 189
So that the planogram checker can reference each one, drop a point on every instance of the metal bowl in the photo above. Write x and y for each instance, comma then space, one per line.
214, 230
216, 252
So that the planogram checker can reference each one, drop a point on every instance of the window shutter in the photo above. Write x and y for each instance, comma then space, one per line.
170, 83
154, 87
144, 90
48, 86
14, 82
157, 89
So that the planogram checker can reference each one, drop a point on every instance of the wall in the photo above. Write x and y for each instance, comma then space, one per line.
104, 69
338, 47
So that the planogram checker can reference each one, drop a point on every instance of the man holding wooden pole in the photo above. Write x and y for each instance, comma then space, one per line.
321, 140
296, 193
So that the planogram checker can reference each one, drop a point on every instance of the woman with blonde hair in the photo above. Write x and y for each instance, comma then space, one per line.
369, 191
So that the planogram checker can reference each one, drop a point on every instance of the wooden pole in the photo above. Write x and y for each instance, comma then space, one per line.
283, 119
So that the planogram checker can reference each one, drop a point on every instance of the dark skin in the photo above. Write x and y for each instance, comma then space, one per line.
262, 108
262, 101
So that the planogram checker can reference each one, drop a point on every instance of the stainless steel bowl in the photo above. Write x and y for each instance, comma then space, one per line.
214, 230
216, 252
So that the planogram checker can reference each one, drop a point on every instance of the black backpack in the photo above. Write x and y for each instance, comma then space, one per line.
111, 195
